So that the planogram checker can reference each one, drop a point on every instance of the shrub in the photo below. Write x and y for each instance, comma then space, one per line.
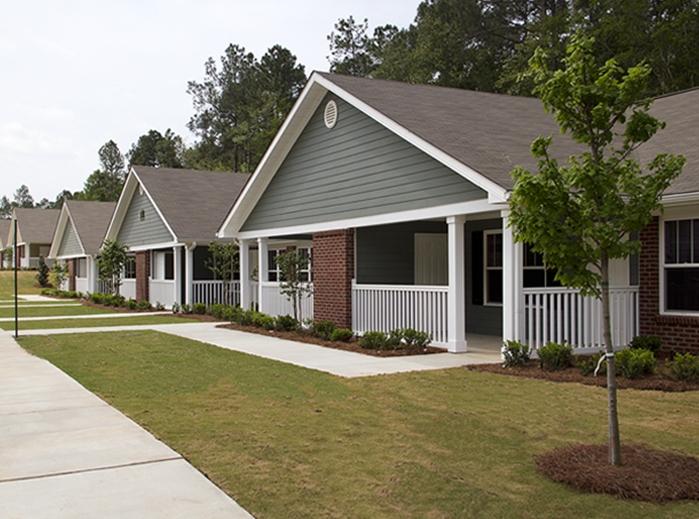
263, 321
323, 329
515, 353
216, 310
683, 367
555, 357
114, 300
97, 298
144, 304
175, 307
159, 306
185, 308
341, 335
634, 363
131, 304
199, 308
587, 364
416, 338
373, 341
286, 323
228, 313
394, 341
246, 317
645, 342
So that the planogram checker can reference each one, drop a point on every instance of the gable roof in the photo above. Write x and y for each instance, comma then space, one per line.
89, 220
191, 203
4, 232
34, 225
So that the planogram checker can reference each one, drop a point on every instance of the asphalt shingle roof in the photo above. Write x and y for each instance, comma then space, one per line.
4, 232
36, 225
91, 221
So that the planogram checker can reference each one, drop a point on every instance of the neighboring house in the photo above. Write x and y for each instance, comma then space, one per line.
167, 218
403, 191
34, 233
5, 258
77, 240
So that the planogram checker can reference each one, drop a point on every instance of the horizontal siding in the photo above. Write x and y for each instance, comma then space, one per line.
135, 232
70, 246
359, 168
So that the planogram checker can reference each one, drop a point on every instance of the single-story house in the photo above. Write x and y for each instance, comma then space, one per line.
77, 240
402, 192
34, 233
167, 218
5, 258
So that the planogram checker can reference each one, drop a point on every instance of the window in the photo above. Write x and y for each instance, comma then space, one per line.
493, 267
681, 265
535, 272
275, 273
130, 268
81, 268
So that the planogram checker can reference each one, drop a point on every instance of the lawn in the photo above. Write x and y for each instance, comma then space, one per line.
287, 442
128, 319
53, 311
26, 283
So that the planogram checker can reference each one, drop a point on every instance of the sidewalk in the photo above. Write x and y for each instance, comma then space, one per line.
65, 453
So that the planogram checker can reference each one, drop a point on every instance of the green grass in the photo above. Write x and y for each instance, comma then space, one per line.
131, 319
26, 281
53, 311
288, 442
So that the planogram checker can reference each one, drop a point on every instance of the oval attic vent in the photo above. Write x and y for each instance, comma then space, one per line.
331, 114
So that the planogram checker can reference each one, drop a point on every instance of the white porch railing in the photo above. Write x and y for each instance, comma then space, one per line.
210, 292
386, 307
128, 288
560, 314
275, 303
81, 285
162, 291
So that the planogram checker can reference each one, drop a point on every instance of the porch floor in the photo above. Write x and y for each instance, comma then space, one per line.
484, 344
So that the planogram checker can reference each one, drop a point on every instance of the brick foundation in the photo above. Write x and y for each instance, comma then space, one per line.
142, 275
333, 271
678, 333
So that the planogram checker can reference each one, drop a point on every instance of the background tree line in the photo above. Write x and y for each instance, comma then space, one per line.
473, 44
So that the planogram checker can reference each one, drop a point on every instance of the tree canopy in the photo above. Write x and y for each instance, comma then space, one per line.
104, 185
157, 150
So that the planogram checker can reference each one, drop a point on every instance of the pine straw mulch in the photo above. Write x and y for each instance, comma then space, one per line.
645, 475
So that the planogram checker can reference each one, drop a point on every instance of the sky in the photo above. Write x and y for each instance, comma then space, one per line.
75, 74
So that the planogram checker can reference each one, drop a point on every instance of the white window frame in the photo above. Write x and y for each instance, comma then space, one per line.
273, 268
672, 216
486, 268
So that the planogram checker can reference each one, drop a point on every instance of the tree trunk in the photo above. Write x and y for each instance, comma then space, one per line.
614, 439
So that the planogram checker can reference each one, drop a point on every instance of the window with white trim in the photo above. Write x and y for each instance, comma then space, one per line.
275, 273
81, 268
130, 268
492, 264
536, 274
681, 265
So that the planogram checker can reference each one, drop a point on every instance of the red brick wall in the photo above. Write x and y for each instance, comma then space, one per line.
71, 274
142, 275
678, 333
333, 270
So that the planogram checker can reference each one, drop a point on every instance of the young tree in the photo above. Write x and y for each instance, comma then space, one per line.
111, 263
295, 283
578, 216
59, 273
42, 276
223, 261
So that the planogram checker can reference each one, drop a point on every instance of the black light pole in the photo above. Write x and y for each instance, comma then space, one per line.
16, 306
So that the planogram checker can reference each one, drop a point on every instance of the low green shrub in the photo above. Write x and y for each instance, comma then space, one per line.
216, 310
144, 304
228, 313
286, 323
684, 368
97, 298
587, 364
415, 339
131, 304
634, 363
185, 308
515, 353
323, 329
175, 308
555, 357
373, 341
645, 342
261, 320
199, 308
341, 335
114, 300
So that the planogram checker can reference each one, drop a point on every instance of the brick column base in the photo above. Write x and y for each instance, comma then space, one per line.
333, 271
142, 275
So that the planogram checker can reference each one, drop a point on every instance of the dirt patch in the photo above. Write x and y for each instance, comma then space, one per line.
645, 475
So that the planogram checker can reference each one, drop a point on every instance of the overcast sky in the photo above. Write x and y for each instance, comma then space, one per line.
76, 74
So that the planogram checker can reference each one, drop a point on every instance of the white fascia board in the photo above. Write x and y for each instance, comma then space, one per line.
284, 140
679, 199
58, 232
463, 208
71, 256
155, 246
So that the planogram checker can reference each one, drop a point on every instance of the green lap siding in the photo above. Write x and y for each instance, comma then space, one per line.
70, 246
135, 231
357, 169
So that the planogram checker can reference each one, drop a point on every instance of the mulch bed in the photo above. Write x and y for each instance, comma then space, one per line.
645, 475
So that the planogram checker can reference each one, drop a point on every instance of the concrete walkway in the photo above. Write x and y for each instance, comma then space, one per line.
64, 453
125, 315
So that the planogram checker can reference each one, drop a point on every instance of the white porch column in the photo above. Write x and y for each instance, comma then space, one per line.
189, 273
244, 260
456, 297
177, 268
92, 274
263, 269
513, 286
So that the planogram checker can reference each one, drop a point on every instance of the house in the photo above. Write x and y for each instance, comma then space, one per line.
5, 257
167, 218
77, 240
34, 233
402, 192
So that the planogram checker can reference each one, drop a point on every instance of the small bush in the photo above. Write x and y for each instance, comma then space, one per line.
144, 304
286, 323
228, 313
645, 342
323, 329
97, 298
246, 316
263, 321
175, 307
373, 341
114, 300
341, 335
216, 310
515, 353
587, 364
634, 363
185, 308
555, 357
683, 367
159, 306
199, 308
131, 304
394, 340
415, 338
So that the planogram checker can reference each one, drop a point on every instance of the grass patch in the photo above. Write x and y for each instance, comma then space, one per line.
54, 311
26, 281
291, 442
132, 319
